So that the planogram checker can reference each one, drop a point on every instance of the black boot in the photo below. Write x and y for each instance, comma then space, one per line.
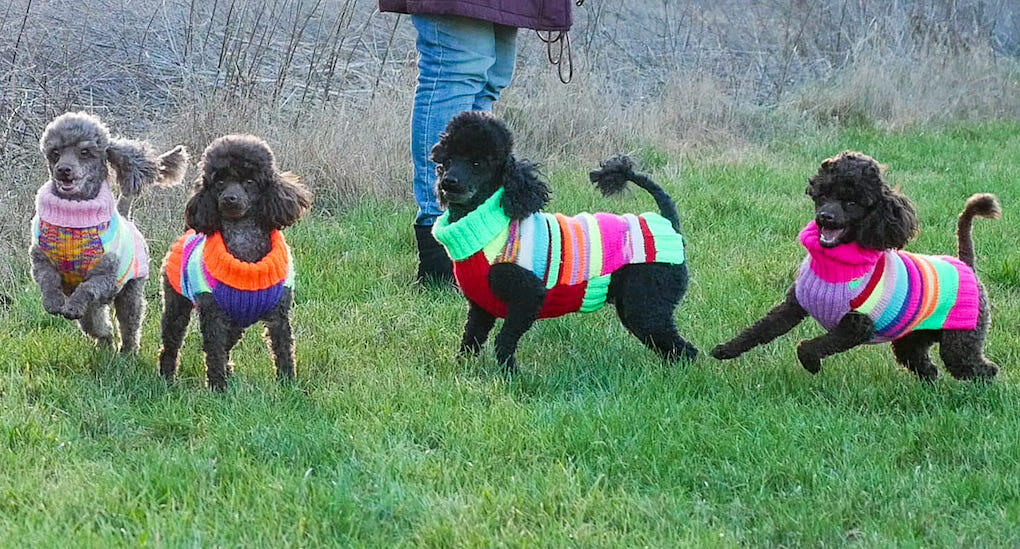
434, 266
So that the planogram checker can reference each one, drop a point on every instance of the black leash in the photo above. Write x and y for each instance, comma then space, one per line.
557, 57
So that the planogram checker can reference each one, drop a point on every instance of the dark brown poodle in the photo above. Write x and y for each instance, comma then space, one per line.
233, 265
86, 252
514, 262
859, 284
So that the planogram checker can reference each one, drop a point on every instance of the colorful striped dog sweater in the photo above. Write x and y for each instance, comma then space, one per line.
200, 264
75, 234
574, 257
899, 291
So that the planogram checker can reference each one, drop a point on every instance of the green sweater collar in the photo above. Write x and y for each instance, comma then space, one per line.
471, 233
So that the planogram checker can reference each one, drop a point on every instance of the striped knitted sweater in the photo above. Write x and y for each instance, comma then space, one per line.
75, 234
574, 257
900, 291
200, 264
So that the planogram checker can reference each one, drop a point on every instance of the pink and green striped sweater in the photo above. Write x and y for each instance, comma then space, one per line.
900, 291
574, 257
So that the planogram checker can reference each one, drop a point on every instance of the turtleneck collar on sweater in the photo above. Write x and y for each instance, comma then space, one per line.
469, 234
841, 263
74, 214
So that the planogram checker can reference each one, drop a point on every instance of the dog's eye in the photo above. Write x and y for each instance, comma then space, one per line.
54, 155
85, 153
851, 203
476, 163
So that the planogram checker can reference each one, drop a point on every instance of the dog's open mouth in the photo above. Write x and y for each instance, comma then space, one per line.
66, 186
829, 236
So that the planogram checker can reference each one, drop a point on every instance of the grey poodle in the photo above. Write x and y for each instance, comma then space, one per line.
860, 285
233, 265
85, 251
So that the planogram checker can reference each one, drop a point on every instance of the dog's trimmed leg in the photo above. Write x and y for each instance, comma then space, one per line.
523, 294
476, 329
219, 335
912, 352
130, 309
780, 320
280, 338
49, 281
853, 330
962, 351
174, 324
95, 322
648, 314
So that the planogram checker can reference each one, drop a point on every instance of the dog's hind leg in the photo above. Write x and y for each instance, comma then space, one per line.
130, 308
912, 352
95, 322
476, 329
173, 325
962, 351
645, 296
523, 294
854, 329
280, 338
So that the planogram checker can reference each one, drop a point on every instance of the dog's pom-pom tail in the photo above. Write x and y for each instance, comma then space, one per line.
172, 165
613, 174
978, 205
983, 205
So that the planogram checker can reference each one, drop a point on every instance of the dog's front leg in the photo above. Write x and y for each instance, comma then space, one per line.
523, 294
219, 335
780, 320
476, 329
49, 281
854, 329
99, 286
280, 338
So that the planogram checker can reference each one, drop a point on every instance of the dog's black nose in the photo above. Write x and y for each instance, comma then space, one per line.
825, 217
231, 199
64, 171
449, 184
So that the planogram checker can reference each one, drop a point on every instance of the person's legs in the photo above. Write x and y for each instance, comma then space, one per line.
455, 55
502, 71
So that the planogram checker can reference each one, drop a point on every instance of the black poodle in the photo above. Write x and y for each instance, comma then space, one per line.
859, 284
511, 261
86, 252
234, 265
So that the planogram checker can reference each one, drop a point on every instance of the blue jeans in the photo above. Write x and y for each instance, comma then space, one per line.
463, 64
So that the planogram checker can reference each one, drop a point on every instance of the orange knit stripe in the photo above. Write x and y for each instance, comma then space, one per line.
172, 262
268, 271
930, 283
567, 251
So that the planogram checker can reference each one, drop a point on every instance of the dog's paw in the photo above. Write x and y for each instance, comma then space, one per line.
54, 305
73, 310
723, 351
808, 360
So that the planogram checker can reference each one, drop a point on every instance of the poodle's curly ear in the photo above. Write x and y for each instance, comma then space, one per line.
526, 193
134, 162
891, 224
285, 201
202, 212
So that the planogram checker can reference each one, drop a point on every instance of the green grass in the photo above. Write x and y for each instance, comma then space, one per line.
387, 440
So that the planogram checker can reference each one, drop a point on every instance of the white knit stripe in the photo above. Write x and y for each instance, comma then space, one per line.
526, 249
637, 241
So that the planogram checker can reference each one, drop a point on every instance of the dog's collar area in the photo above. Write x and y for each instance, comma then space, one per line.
266, 272
75, 214
469, 234
840, 263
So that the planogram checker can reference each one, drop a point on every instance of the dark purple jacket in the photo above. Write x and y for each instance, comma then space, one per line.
545, 15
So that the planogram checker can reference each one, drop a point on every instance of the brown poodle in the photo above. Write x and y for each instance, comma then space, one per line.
233, 265
860, 285
86, 253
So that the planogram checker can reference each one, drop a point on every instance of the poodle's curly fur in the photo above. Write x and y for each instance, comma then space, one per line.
474, 158
853, 203
241, 194
80, 153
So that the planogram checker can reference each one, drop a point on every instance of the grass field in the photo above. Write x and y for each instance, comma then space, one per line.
387, 440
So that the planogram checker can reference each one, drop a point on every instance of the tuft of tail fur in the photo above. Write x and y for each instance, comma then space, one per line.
978, 205
171, 166
616, 171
